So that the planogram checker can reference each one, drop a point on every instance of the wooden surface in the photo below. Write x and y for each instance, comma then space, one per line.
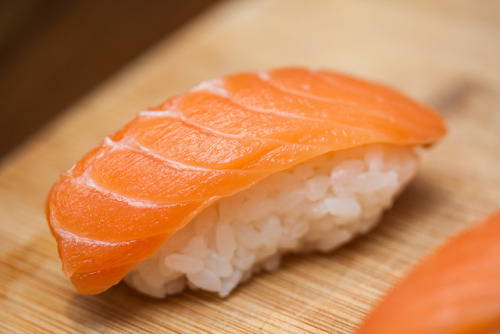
56, 51
445, 53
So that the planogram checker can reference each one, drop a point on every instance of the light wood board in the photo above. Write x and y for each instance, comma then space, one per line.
444, 53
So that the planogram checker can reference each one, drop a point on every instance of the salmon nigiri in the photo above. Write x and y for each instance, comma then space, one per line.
220, 182
455, 290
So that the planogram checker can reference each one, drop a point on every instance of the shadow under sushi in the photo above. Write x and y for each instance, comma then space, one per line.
123, 309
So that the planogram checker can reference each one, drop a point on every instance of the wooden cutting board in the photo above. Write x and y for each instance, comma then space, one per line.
444, 53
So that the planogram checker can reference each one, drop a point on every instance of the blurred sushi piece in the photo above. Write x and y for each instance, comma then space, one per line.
455, 290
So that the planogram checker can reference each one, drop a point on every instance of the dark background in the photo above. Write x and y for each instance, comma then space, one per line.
53, 51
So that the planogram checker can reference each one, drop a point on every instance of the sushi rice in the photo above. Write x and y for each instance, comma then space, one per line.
315, 206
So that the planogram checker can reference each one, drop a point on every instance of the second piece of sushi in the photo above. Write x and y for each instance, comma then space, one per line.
220, 182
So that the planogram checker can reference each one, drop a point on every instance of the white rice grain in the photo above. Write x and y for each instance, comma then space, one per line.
218, 264
225, 240
183, 263
347, 208
206, 280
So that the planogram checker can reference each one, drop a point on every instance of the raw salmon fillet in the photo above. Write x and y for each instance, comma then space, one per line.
126, 197
455, 290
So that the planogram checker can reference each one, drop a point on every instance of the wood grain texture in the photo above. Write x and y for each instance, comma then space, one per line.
443, 53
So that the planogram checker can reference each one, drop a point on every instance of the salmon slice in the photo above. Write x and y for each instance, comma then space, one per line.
455, 290
125, 198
